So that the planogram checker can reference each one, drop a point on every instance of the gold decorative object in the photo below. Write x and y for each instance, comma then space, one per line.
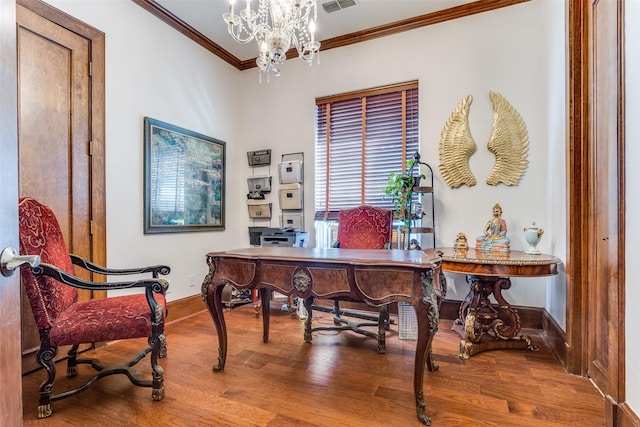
509, 143
456, 146
494, 235
461, 242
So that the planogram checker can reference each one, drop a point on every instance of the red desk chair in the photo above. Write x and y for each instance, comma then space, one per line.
52, 290
364, 227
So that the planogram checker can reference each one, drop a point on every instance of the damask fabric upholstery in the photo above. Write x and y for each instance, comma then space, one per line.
104, 319
55, 305
40, 235
365, 227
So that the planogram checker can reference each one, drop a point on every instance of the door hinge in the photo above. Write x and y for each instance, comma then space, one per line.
91, 227
90, 68
90, 147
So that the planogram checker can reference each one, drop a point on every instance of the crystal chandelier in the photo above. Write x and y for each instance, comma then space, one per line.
275, 26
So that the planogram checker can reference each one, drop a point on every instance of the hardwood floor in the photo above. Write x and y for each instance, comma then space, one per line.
338, 380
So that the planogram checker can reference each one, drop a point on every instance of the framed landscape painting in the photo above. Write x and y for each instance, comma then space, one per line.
184, 180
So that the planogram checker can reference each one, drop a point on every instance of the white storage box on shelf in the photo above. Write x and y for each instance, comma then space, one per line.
290, 172
259, 209
290, 196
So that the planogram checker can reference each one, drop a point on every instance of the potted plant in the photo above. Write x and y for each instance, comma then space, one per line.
400, 189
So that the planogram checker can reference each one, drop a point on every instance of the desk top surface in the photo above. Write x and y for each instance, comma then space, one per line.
392, 257
513, 263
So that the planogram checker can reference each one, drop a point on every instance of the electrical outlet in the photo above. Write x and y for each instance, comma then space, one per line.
192, 280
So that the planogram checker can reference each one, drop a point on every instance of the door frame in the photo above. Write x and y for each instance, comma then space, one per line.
95, 146
581, 170
96, 39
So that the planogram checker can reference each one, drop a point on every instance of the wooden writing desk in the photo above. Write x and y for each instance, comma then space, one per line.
486, 326
374, 276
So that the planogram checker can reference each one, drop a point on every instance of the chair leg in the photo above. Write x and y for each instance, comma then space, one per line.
382, 321
72, 361
163, 350
336, 312
45, 357
383, 326
157, 344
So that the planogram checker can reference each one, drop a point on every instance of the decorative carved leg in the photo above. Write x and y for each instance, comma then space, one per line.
45, 357
487, 327
463, 310
308, 305
428, 316
212, 295
72, 361
423, 358
157, 344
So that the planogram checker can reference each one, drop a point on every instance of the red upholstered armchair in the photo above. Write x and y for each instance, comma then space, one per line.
364, 227
62, 320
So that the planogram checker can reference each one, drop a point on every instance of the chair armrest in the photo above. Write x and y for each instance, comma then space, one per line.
87, 265
153, 284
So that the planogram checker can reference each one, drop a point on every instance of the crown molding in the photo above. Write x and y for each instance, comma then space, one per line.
444, 15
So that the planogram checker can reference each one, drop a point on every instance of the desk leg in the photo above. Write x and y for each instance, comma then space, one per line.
212, 295
265, 302
427, 316
488, 327
308, 305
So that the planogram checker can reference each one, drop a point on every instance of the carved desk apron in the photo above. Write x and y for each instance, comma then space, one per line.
373, 276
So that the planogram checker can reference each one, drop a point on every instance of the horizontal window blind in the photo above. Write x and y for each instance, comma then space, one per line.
360, 139
167, 181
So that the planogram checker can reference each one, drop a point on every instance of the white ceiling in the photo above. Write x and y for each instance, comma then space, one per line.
205, 16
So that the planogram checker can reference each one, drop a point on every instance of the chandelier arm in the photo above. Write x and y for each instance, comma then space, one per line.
275, 26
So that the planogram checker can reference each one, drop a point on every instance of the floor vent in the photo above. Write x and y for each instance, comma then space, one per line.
336, 5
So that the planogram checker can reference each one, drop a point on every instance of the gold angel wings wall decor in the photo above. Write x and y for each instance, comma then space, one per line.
508, 142
456, 146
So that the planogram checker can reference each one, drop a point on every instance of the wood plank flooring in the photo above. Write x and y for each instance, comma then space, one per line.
338, 380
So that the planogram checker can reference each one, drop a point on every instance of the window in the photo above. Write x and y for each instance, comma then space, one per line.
361, 137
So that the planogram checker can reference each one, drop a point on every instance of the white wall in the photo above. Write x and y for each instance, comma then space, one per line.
632, 233
152, 70
517, 51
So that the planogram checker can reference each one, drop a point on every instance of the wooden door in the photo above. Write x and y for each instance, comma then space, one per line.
55, 117
605, 316
10, 381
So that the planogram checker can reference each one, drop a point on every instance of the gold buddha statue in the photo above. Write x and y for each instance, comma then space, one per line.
495, 233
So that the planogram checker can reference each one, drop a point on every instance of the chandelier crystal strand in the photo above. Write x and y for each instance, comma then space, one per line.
275, 26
